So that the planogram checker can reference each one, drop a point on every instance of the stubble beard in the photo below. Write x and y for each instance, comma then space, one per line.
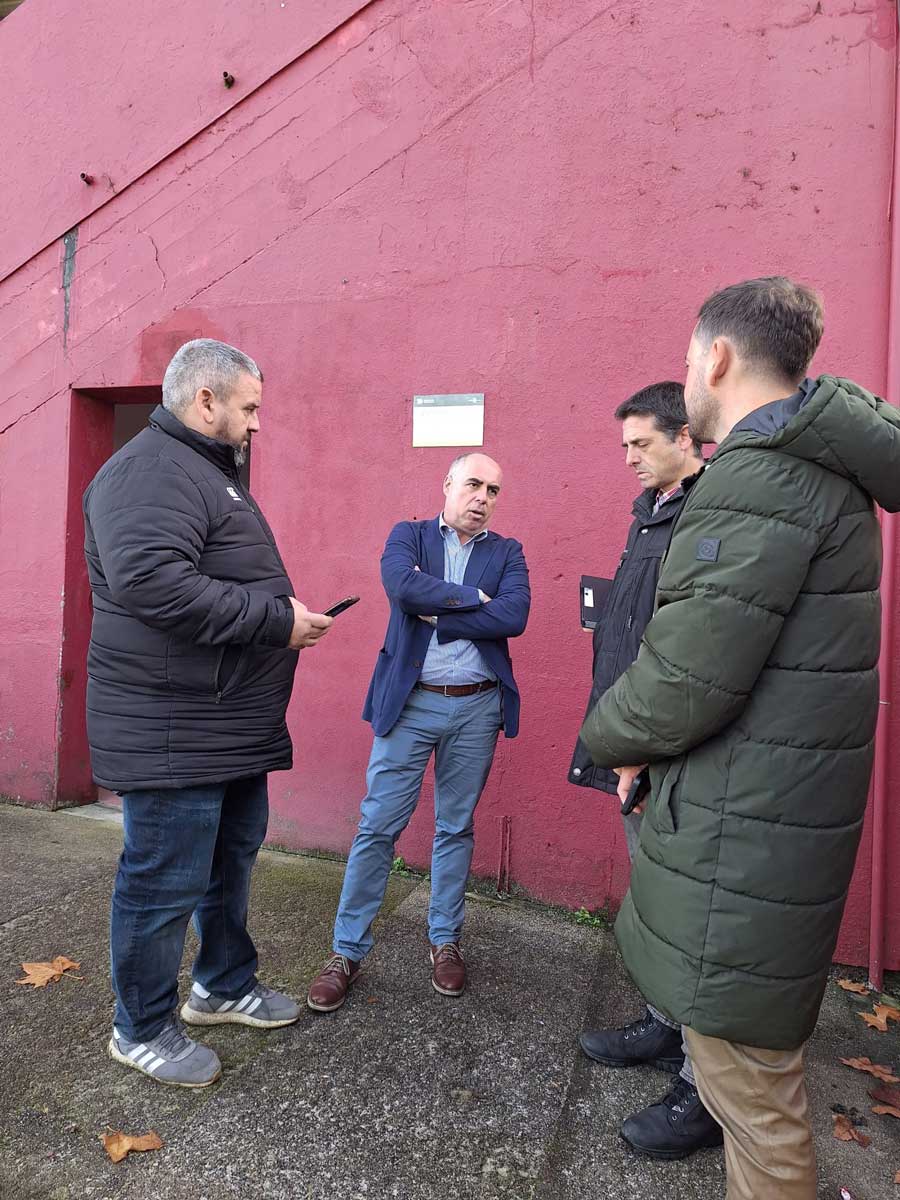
703, 414
239, 448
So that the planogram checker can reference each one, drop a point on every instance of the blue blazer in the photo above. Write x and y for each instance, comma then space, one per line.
496, 566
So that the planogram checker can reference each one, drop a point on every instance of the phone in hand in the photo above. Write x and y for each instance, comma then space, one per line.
638, 792
340, 606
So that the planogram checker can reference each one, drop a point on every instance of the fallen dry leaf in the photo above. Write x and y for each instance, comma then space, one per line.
883, 1014
849, 986
39, 974
897, 1177
845, 1131
886, 1095
117, 1144
876, 1069
886, 1110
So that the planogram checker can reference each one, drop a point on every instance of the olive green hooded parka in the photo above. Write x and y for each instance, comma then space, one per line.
754, 698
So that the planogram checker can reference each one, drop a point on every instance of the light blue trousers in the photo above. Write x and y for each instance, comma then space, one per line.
462, 733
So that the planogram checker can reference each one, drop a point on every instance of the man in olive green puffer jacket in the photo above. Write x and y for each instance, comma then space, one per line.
754, 698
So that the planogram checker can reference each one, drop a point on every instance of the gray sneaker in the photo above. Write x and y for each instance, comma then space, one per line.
262, 1007
170, 1057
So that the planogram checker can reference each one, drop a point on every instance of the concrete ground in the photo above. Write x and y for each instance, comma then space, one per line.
403, 1093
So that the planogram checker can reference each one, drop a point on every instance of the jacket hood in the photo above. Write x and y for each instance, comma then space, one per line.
839, 425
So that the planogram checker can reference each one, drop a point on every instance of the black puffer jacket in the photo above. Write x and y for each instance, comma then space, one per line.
188, 671
628, 609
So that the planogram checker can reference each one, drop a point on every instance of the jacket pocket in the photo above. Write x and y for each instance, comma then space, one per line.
229, 664
664, 807
192, 669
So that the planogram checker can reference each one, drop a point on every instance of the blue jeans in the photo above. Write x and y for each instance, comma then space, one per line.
462, 733
187, 850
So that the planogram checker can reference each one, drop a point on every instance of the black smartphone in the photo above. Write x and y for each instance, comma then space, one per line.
340, 606
638, 792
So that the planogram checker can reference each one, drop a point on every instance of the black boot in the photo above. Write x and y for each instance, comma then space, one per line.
644, 1041
674, 1127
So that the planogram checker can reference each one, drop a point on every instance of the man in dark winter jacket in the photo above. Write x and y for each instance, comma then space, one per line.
754, 698
193, 650
666, 460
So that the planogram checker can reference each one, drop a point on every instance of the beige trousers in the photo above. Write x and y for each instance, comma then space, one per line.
759, 1099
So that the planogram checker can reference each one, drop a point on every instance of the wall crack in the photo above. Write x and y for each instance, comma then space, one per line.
156, 257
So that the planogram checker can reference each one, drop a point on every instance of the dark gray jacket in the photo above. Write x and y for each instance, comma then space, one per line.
628, 609
188, 671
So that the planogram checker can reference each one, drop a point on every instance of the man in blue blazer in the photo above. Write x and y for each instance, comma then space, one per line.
443, 684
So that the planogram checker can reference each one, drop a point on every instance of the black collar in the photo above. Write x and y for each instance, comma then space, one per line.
217, 453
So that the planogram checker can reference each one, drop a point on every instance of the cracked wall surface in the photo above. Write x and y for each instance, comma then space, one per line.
528, 199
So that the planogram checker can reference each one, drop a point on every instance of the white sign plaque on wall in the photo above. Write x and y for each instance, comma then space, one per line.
449, 420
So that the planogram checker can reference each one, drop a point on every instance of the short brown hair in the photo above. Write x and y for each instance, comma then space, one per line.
775, 324
664, 402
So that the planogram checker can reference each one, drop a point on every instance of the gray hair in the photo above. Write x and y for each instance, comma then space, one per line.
461, 459
457, 463
204, 363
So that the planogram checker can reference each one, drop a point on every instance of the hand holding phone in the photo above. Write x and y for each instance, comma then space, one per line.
348, 602
308, 627
637, 793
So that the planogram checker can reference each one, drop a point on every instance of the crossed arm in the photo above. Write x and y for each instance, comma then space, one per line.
460, 610
417, 593
504, 617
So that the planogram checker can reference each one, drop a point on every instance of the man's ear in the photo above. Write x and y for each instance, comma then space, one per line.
684, 439
203, 402
718, 361
447, 483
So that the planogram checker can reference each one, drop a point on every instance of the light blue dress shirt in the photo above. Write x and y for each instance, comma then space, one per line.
461, 661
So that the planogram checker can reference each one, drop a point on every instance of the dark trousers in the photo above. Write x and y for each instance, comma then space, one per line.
187, 851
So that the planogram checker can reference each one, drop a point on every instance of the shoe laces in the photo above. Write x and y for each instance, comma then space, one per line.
338, 964
647, 1021
449, 950
172, 1039
682, 1095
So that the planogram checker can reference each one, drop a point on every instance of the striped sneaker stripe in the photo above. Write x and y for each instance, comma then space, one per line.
242, 1004
229, 1004
254, 1006
154, 1066
137, 1051
145, 1058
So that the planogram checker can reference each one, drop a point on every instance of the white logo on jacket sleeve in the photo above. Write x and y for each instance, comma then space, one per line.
233, 494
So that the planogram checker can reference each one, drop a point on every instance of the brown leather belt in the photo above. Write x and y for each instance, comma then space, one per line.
458, 689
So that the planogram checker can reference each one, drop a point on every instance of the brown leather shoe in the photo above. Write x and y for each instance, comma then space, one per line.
328, 990
448, 975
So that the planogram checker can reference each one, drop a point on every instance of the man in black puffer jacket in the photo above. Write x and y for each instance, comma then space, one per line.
191, 663
667, 461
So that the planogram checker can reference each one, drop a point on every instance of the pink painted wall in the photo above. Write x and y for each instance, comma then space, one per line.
529, 200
